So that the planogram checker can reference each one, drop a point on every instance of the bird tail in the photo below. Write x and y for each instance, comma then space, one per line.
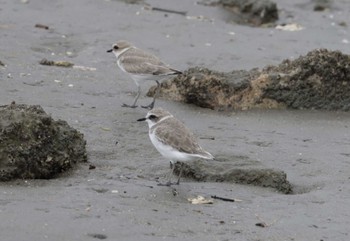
175, 72
208, 156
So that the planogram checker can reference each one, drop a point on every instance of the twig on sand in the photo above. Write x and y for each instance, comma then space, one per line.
38, 25
207, 138
225, 199
168, 11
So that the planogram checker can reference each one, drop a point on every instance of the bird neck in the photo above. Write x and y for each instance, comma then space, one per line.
152, 127
121, 52
164, 118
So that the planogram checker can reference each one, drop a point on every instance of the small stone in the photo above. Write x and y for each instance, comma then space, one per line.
97, 235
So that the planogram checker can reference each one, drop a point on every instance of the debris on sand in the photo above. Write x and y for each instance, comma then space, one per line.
254, 12
38, 25
290, 27
228, 172
200, 200
33, 145
318, 80
65, 64
1, 63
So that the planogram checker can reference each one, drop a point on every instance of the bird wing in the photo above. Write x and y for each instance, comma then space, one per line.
136, 61
176, 134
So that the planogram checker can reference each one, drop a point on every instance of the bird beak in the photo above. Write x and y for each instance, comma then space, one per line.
142, 119
110, 50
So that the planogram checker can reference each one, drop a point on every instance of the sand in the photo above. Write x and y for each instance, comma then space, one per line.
120, 199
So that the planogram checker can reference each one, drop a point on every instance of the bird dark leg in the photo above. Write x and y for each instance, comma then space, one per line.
170, 174
150, 106
180, 174
135, 100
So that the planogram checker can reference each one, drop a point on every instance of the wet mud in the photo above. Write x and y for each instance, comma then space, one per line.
268, 147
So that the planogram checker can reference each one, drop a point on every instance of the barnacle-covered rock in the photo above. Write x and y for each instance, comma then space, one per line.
33, 145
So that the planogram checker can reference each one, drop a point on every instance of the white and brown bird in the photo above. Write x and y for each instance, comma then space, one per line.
173, 139
141, 66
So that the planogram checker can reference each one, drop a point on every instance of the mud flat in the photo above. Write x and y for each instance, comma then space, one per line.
119, 199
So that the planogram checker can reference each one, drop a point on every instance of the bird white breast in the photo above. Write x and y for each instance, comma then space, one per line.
168, 151
120, 65
118, 56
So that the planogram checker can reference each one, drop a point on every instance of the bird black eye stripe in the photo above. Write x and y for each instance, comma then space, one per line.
152, 117
115, 47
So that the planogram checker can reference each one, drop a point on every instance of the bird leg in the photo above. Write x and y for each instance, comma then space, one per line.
129, 106
150, 106
135, 100
170, 174
180, 174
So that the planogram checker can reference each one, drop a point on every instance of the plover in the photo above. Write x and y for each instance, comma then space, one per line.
173, 139
141, 66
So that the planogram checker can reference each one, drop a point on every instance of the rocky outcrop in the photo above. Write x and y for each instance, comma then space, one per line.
318, 80
33, 145
254, 12
211, 171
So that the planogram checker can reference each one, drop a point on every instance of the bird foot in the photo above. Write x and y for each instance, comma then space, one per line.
129, 106
150, 106
168, 184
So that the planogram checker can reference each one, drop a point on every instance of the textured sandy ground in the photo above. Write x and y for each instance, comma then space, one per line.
119, 200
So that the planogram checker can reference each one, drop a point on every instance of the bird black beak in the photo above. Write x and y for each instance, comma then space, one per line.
142, 119
110, 50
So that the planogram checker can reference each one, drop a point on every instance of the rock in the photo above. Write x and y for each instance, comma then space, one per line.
255, 12
212, 171
33, 145
207, 88
317, 5
319, 80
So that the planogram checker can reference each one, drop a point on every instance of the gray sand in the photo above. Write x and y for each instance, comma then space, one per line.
119, 200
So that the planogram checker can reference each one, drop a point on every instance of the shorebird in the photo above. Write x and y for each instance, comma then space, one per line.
141, 66
173, 139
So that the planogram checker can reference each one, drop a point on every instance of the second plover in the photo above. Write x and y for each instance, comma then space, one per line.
141, 66
173, 139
